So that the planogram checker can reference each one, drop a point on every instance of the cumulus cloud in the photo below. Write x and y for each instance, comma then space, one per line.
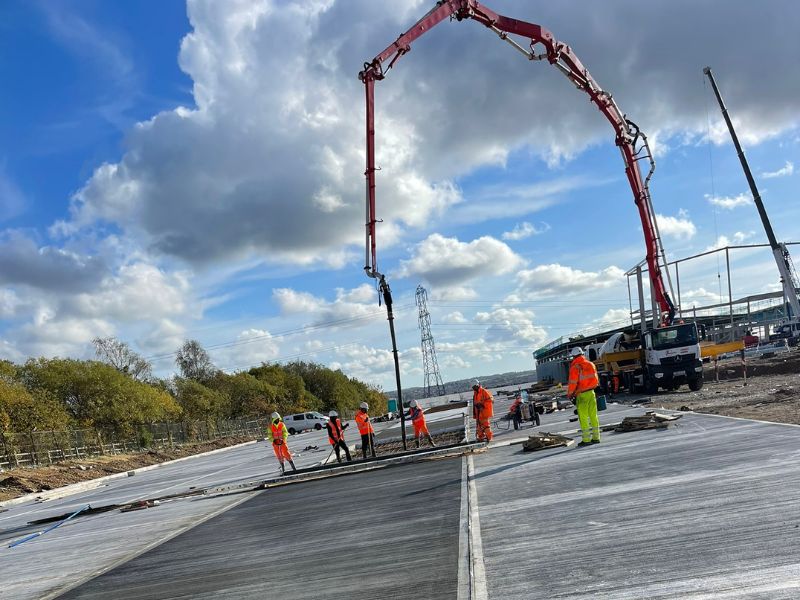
446, 261
524, 230
260, 169
679, 227
700, 297
23, 262
555, 280
784, 171
454, 293
454, 317
511, 324
251, 348
730, 202
351, 307
736, 239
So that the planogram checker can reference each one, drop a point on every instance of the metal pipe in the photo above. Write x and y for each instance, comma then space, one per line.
643, 321
730, 294
387, 299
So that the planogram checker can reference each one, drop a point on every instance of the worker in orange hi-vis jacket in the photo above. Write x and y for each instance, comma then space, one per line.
582, 382
365, 429
417, 417
336, 435
277, 434
482, 411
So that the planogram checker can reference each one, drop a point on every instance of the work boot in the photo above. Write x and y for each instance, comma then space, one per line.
430, 440
291, 462
417, 442
283, 470
584, 444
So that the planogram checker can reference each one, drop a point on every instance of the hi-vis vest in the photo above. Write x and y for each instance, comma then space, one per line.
582, 376
335, 431
417, 414
277, 432
364, 426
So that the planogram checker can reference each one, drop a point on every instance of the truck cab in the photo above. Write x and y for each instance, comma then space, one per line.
672, 357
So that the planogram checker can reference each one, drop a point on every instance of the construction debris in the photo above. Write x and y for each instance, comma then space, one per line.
544, 440
651, 420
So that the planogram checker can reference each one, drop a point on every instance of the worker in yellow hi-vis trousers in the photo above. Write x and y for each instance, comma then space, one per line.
580, 389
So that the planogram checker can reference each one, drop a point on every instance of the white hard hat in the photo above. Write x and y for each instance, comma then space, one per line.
413, 404
476, 383
333, 413
576, 351
274, 416
364, 405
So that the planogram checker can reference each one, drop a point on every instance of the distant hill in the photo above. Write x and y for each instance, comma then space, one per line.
465, 385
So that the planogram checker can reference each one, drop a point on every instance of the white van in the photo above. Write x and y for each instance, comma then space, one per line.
303, 421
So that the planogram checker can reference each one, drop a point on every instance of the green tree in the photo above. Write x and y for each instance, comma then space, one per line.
120, 356
200, 403
194, 362
21, 411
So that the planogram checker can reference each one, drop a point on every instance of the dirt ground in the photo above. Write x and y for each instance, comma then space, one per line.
18, 482
771, 393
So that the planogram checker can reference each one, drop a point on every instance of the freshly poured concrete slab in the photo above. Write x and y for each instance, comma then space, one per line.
707, 508
88, 544
383, 534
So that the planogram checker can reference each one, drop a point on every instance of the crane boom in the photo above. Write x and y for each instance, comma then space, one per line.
779, 250
630, 140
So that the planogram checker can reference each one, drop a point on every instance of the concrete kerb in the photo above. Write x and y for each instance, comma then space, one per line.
84, 486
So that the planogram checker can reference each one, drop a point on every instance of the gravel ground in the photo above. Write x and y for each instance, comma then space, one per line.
771, 392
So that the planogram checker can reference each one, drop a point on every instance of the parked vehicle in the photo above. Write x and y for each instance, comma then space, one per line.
303, 421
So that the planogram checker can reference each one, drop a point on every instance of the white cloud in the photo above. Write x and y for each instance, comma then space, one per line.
679, 227
511, 324
251, 348
615, 317
454, 317
737, 239
447, 261
556, 280
730, 202
784, 171
454, 293
350, 308
524, 230
700, 297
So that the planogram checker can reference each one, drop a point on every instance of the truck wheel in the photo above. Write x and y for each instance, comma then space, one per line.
317, 426
650, 386
696, 384
292, 431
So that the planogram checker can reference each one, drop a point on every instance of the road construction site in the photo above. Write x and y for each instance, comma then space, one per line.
671, 512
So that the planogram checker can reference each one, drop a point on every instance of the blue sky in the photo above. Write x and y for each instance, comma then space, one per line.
172, 171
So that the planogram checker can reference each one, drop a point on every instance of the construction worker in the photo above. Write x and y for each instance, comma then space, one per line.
482, 411
580, 389
277, 434
417, 417
365, 429
336, 435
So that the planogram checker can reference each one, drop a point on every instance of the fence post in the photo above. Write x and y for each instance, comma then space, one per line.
11, 456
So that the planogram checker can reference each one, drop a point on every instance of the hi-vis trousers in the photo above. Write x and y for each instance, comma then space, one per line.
587, 414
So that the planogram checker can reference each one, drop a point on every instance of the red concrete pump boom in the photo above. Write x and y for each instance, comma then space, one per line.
630, 140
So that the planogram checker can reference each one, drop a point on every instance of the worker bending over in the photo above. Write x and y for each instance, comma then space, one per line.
366, 430
277, 434
482, 411
418, 420
580, 389
336, 435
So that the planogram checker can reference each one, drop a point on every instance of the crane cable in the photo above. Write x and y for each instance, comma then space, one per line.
713, 192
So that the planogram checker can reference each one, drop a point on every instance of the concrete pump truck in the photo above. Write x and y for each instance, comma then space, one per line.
664, 354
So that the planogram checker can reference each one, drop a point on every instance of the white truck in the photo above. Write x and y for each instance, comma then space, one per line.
668, 358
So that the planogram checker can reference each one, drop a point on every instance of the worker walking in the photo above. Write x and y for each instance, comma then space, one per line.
336, 435
366, 430
482, 411
277, 434
417, 417
580, 389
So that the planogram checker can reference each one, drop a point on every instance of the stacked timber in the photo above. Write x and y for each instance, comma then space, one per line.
543, 440
650, 420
